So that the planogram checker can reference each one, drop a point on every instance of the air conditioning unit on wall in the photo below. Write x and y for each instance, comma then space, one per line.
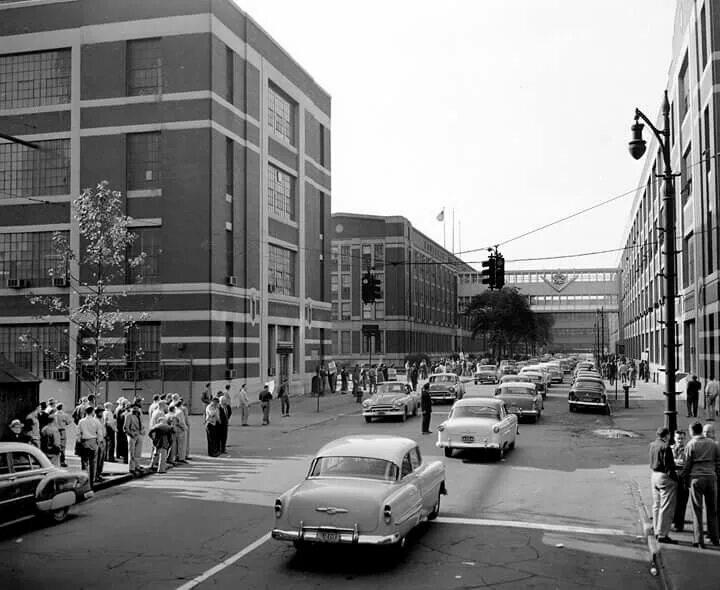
59, 282
18, 283
61, 375
229, 373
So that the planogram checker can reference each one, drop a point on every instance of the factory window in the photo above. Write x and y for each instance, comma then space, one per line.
26, 171
147, 241
281, 193
35, 79
144, 67
684, 90
142, 349
40, 349
143, 161
281, 271
29, 256
281, 115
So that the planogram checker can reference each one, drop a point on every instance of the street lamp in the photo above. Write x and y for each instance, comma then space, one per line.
637, 146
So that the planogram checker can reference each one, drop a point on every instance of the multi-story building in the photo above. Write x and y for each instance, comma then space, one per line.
417, 311
220, 144
583, 303
694, 139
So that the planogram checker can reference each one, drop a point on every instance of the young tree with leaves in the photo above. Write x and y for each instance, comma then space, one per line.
106, 264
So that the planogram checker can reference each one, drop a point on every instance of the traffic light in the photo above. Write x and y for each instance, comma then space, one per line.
488, 271
377, 289
499, 271
368, 287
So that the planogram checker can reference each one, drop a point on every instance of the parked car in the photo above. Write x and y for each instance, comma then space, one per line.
521, 399
391, 399
486, 374
445, 387
363, 490
478, 423
31, 485
588, 393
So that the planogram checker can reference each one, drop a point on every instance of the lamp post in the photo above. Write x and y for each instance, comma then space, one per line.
637, 148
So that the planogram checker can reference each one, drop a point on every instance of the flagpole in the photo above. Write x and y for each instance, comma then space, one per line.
444, 248
459, 236
453, 231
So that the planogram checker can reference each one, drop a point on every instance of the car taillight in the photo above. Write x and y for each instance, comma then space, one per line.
278, 508
441, 427
387, 514
496, 429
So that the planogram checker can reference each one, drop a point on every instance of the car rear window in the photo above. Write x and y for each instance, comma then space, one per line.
517, 391
487, 367
476, 412
361, 467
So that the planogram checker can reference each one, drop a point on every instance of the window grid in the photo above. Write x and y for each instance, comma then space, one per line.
281, 116
144, 67
35, 348
143, 160
30, 256
147, 241
35, 79
26, 171
281, 193
281, 272
142, 349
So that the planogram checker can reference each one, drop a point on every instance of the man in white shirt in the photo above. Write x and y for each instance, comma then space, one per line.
712, 391
244, 402
89, 434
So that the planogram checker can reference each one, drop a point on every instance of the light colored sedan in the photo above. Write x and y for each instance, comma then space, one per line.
363, 490
445, 387
391, 400
478, 423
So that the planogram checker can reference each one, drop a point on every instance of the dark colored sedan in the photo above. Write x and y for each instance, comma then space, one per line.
30, 485
588, 393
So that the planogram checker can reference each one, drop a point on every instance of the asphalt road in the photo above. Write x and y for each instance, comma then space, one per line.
557, 512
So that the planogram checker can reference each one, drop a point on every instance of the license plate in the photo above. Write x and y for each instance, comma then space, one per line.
328, 537
468, 439
377, 412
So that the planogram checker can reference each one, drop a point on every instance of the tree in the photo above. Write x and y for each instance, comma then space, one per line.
106, 263
505, 318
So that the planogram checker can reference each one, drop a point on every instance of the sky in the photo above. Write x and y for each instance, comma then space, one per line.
511, 114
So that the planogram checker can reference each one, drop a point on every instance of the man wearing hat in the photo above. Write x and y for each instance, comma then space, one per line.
50, 442
134, 430
663, 481
63, 422
15, 434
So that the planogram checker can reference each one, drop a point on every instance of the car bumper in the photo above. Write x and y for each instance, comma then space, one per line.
485, 378
587, 403
442, 397
521, 412
344, 537
383, 413
459, 444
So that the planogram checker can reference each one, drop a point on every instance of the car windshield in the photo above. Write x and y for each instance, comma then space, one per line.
476, 412
442, 379
361, 467
487, 367
391, 388
516, 391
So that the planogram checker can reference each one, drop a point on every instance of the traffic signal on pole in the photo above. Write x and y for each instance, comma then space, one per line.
487, 273
499, 271
368, 288
377, 289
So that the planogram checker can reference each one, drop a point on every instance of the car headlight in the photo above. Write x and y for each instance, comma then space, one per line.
366, 403
278, 508
451, 389
398, 404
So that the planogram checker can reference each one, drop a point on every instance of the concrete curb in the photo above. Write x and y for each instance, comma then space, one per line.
657, 567
115, 480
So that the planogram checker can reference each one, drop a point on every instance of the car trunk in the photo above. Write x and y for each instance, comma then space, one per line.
363, 500
524, 402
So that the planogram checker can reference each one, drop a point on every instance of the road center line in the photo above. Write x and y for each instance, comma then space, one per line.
223, 564
558, 528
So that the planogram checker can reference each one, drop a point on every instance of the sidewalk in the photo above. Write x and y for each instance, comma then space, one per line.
680, 566
303, 414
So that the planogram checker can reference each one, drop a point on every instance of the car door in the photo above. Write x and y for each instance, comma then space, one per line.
8, 490
28, 474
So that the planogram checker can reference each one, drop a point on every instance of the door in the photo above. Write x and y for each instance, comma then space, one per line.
284, 368
28, 474
8, 490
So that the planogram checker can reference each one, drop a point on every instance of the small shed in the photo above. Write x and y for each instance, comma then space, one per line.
19, 393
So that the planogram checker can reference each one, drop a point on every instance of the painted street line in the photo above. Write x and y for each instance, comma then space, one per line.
223, 564
557, 528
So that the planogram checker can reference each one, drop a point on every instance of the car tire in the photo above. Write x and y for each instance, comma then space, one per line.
511, 446
368, 419
59, 515
448, 452
436, 509
571, 407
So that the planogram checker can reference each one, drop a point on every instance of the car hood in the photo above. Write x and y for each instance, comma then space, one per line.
362, 499
386, 398
441, 386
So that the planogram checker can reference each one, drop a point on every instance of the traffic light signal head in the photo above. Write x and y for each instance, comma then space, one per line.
368, 287
488, 271
499, 271
377, 289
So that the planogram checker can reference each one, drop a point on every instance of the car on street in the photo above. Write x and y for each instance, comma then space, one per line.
30, 485
361, 490
445, 387
508, 370
478, 423
538, 378
556, 373
588, 393
486, 374
392, 399
521, 399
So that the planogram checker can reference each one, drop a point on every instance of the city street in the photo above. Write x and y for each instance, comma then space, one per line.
558, 512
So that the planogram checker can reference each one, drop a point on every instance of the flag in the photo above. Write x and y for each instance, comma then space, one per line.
441, 215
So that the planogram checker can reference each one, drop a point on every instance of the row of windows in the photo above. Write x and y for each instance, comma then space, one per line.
534, 277
573, 299
35, 348
35, 79
342, 343
28, 171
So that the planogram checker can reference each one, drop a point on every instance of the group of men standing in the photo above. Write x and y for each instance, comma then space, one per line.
712, 396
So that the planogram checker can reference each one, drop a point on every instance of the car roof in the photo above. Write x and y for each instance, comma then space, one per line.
473, 401
376, 446
523, 384
443, 374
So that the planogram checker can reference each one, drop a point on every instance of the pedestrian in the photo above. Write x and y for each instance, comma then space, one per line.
244, 405
343, 381
356, 383
426, 408
159, 411
171, 420
102, 445
50, 442
332, 376
265, 398
181, 428
110, 423
284, 395
63, 421
683, 493
226, 395
161, 436
663, 481
709, 433
702, 461
134, 430
212, 420
225, 415
121, 442
15, 434
414, 376
32, 427
206, 395
712, 390
154, 406
692, 395
633, 375
89, 434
